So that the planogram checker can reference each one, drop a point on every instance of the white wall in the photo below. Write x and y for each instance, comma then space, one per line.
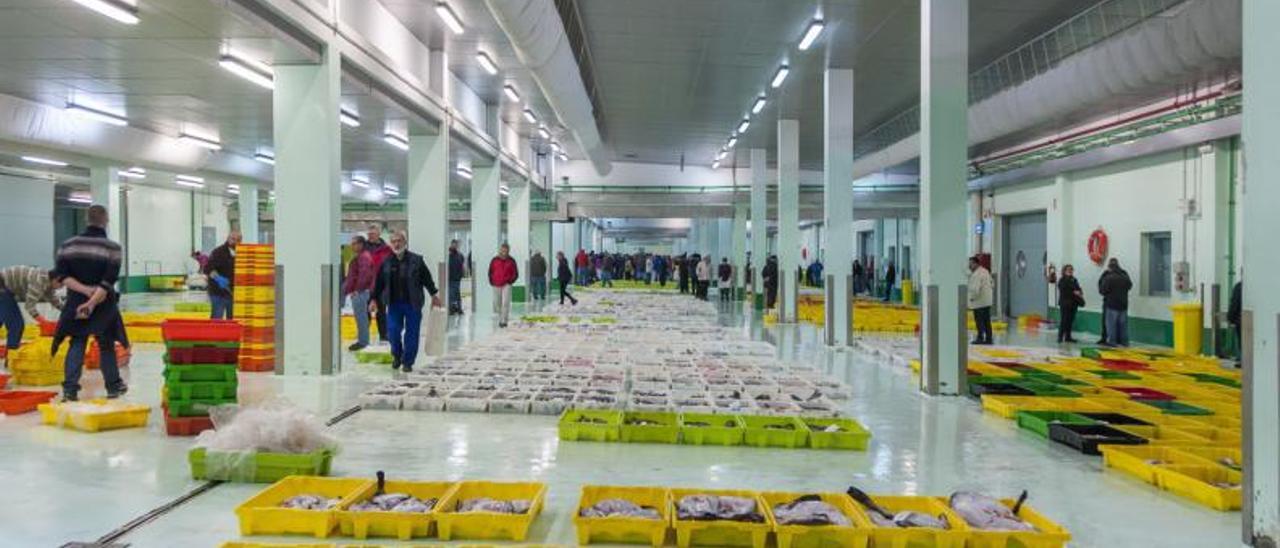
161, 234
472, 108
26, 221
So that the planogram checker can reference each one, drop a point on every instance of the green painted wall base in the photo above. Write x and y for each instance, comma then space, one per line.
1151, 331
759, 304
518, 294
140, 284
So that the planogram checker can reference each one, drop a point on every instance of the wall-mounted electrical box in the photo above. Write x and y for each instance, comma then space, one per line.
1182, 277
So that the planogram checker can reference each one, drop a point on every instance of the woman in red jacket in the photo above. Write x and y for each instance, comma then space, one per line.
503, 272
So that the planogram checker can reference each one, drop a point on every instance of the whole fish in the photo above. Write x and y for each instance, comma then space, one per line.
983, 512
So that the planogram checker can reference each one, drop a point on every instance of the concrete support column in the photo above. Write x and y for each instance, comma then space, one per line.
248, 200
486, 204
518, 235
308, 148
944, 103
837, 216
739, 256
1261, 327
788, 217
427, 201
104, 188
759, 223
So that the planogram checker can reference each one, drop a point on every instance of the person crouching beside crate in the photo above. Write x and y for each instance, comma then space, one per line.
30, 286
398, 291
89, 265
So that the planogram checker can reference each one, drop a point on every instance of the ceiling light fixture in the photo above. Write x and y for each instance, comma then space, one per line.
742, 127
359, 181
98, 114
119, 10
733, 141
189, 181
464, 172
529, 116
265, 157
348, 118
80, 198
486, 62
759, 105
233, 189
779, 76
720, 156
391, 190
542, 132
253, 71
44, 161
450, 19
200, 141
715, 164
504, 190
563, 157
396, 141
811, 35
555, 147
133, 173
511, 93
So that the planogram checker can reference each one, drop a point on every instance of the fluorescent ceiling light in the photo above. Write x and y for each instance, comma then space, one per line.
759, 105
733, 141
720, 156
811, 35
265, 158
504, 190
44, 161
779, 76
252, 71
511, 93
486, 62
563, 157
98, 114
119, 10
360, 182
80, 198
542, 132
133, 173
348, 118
465, 172
200, 141
396, 141
450, 19
189, 181
233, 186
529, 117
555, 147
715, 164
390, 189
742, 127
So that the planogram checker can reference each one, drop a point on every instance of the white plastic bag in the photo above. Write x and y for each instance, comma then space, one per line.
437, 329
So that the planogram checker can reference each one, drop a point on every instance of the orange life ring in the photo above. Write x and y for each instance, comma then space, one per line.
1098, 246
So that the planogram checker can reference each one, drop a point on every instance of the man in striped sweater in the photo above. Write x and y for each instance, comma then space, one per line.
30, 286
89, 265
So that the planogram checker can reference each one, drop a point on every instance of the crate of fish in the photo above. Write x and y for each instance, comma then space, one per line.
511, 402
788, 432
913, 521
719, 517
1163, 435
552, 400
1230, 457
590, 425
1086, 438
396, 509
1001, 523
1217, 487
650, 427
484, 510
428, 397
1142, 461
622, 515
94, 415
466, 400
257, 466
711, 429
823, 520
846, 434
300, 505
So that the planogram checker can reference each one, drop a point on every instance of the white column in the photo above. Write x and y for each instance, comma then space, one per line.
1261, 262
788, 217
739, 257
248, 201
944, 103
518, 234
104, 188
759, 223
485, 216
837, 172
308, 148
427, 201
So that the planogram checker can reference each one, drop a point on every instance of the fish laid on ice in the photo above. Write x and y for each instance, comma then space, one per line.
809, 510
610, 508
986, 513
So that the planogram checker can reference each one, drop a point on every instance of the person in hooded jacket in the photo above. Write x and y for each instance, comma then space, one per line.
564, 277
1070, 299
1114, 287
770, 277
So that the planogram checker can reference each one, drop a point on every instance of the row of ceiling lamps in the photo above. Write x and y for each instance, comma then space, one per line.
189, 181
811, 34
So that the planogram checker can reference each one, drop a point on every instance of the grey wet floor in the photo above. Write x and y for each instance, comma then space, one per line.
67, 486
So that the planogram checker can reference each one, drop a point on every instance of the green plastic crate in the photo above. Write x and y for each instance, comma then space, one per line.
667, 429
1046, 389
573, 430
257, 467
760, 434
852, 437
377, 357
1215, 379
195, 408
1038, 421
716, 434
202, 390
1169, 407
1091, 352
200, 373
192, 307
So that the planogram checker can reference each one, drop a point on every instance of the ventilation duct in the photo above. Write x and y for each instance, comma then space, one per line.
1175, 46
537, 34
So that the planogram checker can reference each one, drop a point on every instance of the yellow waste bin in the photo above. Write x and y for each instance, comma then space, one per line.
1188, 328
908, 292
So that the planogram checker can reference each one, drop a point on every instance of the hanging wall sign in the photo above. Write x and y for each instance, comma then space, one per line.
1098, 246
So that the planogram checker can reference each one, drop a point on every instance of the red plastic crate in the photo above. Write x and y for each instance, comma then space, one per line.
1124, 365
4, 381
254, 365
216, 355
47, 328
1140, 393
201, 330
92, 357
17, 402
185, 426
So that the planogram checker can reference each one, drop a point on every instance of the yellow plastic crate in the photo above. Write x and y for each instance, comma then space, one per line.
139, 334
623, 530
720, 533
38, 378
400, 525
272, 545
1225, 437
82, 416
857, 535
1048, 534
487, 525
1008, 406
1136, 460
1162, 435
254, 293
1197, 483
1229, 457
262, 515
896, 537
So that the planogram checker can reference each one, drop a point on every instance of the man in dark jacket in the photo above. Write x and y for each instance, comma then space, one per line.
398, 291
457, 266
769, 274
682, 268
724, 279
378, 251
1114, 287
89, 265
1234, 313
221, 271
564, 277
538, 276
890, 276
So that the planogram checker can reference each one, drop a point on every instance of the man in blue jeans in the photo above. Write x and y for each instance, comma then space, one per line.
398, 290
457, 268
28, 285
221, 270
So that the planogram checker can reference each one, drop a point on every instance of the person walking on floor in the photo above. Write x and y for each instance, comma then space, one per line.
538, 276
89, 265
1234, 314
357, 285
724, 279
221, 271
564, 277
580, 263
682, 273
890, 276
1114, 287
981, 297
857, 277
769, 275
1102, 335
606, 271
30, 286
398, 292
457, 268
503, 273
704, 277
1070, 299
378, 251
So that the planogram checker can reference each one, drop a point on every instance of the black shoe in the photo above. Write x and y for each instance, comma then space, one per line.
357, 347
70, 398
119, 391
502, 325
1072, 341
976, 342
408, 369
395, 364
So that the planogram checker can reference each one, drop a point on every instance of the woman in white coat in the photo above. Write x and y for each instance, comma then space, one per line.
981, 297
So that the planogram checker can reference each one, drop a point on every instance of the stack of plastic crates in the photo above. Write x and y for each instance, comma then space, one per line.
32, 365
200, 372
255, 305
